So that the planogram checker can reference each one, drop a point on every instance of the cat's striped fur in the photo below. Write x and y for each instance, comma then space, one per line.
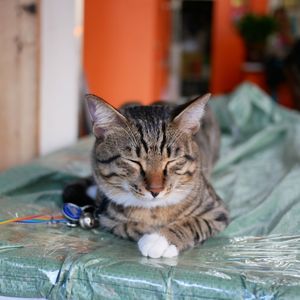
152, 166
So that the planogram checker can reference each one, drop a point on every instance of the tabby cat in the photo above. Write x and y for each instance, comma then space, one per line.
151, 165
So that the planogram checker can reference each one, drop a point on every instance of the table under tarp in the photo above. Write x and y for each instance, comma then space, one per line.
256, 257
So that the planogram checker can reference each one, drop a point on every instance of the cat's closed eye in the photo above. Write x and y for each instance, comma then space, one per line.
108, 160
136, 163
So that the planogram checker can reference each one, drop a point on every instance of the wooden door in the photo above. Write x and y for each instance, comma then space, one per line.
18, 81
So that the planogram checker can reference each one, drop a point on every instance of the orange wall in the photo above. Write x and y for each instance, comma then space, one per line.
227, 47
124, 46
259, 6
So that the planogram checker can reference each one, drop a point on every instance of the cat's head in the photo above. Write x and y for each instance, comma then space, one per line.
146, 156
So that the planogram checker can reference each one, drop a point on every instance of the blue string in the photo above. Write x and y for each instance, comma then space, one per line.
41, 221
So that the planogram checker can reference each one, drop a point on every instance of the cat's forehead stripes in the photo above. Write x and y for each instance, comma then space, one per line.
138, 151
149, 114
150, 122
141, 132
164, 138
152, 138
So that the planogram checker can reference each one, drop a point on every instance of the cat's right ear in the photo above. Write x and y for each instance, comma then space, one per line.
189, 118
103, 115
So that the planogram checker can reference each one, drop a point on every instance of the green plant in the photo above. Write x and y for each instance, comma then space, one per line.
255, 29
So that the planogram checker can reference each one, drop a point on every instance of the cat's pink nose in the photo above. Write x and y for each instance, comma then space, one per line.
155, 184
155, 189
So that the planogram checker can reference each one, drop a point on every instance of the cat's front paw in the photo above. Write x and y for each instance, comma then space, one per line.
155, 245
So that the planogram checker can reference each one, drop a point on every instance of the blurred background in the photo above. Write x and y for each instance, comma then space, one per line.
52, 52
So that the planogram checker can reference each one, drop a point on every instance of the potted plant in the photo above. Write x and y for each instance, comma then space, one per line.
255, 31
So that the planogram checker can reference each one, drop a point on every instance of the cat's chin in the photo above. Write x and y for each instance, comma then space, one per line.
127, 199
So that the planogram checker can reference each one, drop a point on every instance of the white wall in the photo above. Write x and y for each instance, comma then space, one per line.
60, 57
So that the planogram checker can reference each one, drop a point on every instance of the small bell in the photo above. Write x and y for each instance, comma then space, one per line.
84, 216
88, 221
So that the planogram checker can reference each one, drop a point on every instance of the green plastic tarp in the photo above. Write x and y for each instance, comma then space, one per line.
256, 257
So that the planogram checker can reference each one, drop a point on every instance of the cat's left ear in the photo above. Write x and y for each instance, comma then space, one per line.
104, 117
189, 118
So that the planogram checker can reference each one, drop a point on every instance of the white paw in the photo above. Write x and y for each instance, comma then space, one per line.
155, 245
171, 251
